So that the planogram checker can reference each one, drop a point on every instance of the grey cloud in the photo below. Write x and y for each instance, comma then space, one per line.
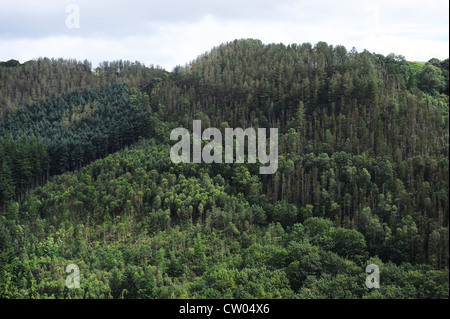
28, 19
165, 32
121, 18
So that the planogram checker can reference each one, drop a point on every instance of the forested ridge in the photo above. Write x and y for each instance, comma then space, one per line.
86, 177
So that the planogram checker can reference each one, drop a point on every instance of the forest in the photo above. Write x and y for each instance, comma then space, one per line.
363, 177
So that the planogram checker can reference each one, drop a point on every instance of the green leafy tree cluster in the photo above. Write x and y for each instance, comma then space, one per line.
139, 226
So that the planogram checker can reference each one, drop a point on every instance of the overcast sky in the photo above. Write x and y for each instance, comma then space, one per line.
175, 32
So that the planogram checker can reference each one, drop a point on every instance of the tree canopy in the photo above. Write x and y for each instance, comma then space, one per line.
86, 177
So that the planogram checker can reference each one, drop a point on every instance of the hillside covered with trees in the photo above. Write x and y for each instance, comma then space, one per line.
86, 177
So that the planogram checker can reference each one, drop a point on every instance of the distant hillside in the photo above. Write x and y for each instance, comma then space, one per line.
36, 80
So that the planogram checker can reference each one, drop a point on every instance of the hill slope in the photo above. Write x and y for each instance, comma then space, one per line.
362, 179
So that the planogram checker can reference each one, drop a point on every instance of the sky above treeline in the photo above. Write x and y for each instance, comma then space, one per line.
174, 32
